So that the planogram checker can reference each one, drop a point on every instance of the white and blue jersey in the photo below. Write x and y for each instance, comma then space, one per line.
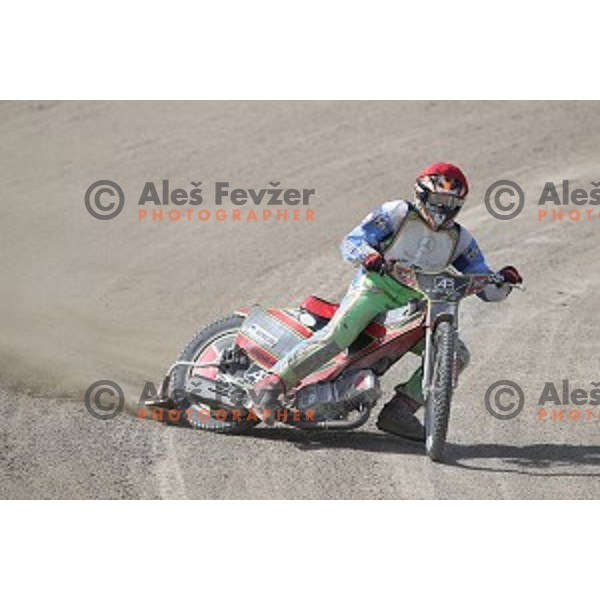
396, 231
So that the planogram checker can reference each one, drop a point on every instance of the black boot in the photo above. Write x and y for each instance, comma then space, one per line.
398, 417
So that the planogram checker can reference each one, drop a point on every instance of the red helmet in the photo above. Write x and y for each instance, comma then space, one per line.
440, 192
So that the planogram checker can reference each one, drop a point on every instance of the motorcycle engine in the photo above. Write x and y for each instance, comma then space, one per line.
332, 400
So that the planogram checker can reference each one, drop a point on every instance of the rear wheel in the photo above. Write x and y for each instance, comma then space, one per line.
437, 407
208, 346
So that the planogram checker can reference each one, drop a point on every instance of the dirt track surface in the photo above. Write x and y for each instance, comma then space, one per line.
83, 299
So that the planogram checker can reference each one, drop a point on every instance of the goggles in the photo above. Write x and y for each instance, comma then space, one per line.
442, 199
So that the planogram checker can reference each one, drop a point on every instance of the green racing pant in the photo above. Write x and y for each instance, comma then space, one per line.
369, 295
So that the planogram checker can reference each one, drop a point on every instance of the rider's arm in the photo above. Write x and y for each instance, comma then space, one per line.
470, 260
368, 237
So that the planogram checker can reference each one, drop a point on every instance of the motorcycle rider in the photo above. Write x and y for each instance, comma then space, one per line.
422, 234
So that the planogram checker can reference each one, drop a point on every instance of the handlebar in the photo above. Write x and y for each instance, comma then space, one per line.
446, 284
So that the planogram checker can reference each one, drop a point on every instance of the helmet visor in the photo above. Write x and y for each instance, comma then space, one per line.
447, 201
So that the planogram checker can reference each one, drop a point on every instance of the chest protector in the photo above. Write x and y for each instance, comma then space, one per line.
416, 245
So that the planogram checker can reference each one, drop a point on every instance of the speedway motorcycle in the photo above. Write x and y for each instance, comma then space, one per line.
210, 382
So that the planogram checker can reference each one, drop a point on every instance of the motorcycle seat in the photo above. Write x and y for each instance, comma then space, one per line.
318, 307
325, 310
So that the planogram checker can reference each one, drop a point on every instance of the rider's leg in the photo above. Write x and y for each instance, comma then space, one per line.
413, 386
369, 294
395, 416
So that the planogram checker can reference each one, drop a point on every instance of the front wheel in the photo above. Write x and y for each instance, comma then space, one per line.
437, 407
